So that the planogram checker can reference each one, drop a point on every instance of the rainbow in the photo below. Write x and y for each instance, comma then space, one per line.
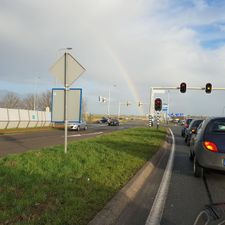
125, 75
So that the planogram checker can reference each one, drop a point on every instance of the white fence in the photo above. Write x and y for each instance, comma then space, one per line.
21, 118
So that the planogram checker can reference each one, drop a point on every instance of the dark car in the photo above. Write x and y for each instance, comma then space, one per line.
103, 120
191, 130
208, 147
186, 125
113, 122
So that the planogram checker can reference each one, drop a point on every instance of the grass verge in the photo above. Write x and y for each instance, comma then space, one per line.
48, 187
24, 130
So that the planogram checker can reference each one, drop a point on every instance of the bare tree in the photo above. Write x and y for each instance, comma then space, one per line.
11, 100
44, 100
28, 102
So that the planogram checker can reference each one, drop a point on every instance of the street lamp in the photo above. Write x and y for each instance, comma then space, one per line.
109, 100
35, 94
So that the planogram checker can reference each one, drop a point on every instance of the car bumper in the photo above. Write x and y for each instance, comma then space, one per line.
211, 160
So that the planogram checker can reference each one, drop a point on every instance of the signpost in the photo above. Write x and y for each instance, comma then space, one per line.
67, 70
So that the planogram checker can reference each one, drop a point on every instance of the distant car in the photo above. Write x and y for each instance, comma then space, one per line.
103, 120
186, 125
78, 126
191, 130
113, 122
208, 147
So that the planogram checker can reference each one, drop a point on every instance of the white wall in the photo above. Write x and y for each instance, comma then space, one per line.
21, 118
13, 118
3, 118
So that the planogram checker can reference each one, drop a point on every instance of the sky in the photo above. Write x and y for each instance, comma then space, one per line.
126, 47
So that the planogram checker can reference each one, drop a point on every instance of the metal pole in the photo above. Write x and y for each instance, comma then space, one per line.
109, 104
65, 105
151, 101
119, 110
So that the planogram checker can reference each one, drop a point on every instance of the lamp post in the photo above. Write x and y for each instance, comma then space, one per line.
109, 100
35, 94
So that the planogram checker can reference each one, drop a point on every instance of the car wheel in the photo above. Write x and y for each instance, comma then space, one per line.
78, 128
85, 128
198, 170
191, 157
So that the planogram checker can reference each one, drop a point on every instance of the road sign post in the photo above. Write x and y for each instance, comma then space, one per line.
67, 70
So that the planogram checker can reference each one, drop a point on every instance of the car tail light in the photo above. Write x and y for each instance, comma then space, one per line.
210, 146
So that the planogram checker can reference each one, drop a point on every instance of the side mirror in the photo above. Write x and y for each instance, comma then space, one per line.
211, 215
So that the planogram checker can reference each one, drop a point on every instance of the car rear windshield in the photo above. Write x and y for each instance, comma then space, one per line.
196, 123
216, 126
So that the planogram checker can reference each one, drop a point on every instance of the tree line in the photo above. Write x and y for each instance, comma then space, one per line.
40, 101
13, 100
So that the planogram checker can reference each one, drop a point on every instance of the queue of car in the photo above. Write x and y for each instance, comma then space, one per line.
206, 139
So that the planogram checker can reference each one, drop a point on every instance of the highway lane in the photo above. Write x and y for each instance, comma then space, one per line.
187, 194
15, 143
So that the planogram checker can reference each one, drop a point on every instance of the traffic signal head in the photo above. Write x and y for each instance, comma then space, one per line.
158, 104
183, 87
208, 88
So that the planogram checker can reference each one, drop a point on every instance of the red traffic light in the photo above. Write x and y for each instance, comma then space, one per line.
158, 104
208, 88
183, 87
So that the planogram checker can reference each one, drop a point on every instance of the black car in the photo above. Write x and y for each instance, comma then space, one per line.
191, 130
103, 120
208, 147
113, 122
186, 125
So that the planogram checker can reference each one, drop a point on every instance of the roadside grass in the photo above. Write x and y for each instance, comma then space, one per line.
24, 130
48, 187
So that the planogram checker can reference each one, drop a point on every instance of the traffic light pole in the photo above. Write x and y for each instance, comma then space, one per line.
152, 89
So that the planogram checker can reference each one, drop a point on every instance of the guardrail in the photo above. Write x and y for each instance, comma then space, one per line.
21, 118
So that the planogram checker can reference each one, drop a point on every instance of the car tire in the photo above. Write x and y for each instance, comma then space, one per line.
78, 128
198, 170
85, 128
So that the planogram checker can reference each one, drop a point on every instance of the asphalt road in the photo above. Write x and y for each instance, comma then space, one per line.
187, 195
15, 143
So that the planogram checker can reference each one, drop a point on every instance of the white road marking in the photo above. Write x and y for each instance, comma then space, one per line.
88, 134
155, 215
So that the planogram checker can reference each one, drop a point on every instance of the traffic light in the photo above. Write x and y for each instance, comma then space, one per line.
208, 88
183, 87
158, 104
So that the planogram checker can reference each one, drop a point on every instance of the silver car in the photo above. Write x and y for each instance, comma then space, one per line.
82, 125
208, 148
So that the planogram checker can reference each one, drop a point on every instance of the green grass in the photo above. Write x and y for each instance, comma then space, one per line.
48, 187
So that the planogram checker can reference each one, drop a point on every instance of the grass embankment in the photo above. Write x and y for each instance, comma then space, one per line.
24, 130
49, 187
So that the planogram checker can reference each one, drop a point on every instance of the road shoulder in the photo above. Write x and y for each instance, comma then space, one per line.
126, 196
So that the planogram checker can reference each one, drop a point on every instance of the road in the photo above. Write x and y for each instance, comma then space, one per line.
187, 195
15, 143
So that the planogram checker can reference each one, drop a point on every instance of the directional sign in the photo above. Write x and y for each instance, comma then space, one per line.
68, 65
